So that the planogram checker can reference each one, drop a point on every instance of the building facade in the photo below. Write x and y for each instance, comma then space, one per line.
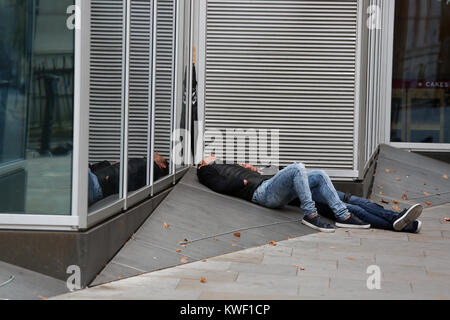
88, 81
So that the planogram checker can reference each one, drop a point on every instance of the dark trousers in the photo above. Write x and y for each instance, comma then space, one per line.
364, 209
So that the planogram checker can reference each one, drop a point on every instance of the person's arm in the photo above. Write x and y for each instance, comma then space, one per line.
213, 180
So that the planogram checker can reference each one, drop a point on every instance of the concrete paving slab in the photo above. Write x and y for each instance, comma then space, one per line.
20, 284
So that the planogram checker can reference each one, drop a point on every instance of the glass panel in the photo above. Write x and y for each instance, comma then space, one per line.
421, 73
139, 94
182, 108
164, 85
106, 120
36, 107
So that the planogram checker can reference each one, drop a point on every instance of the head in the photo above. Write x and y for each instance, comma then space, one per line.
207, 161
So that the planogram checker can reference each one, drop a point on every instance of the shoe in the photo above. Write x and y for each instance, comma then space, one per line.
408, 217
317, 224
414, 227
352, 223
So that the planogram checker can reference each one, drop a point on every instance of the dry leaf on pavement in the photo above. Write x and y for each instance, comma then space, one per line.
184, 260
203, 280
396, 208
166, 226
384, 201
237, 234
273, 243
445, 177
428, 203
404, 197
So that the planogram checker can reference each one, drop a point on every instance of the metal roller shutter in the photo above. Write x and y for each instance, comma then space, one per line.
164, 76
287, 65
139, 77
107, 41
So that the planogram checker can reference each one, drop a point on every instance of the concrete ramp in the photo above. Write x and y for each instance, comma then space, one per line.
408, 178
207, 222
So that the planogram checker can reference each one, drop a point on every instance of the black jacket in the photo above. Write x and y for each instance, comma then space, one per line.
229, 179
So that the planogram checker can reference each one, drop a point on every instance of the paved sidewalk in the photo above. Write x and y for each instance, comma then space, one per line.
317, 266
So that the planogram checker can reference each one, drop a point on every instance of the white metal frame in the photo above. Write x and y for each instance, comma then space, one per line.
77, 218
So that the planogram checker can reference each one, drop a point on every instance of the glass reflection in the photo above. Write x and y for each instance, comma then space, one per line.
164, 88
421, 74
36, 107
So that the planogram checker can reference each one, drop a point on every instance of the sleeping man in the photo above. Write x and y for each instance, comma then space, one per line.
294, 182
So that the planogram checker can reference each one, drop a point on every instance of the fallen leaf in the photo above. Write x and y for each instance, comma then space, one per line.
303, 269
396, 202
184, 260
178, 250
204, 260
384, 201
380, 193
445, 177
404, 197
237, 234
273, 243
119, 278
183, 245
396, 208
166, 226
445, 220
233, 245
428, 203
426, 193
216, 239
388, 170
203, 280
398, 179
380, 186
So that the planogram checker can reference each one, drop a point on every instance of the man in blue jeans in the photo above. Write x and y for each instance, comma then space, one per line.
246, 182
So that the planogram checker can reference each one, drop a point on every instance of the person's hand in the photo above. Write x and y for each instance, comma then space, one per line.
250, 167
245, 182
160, 161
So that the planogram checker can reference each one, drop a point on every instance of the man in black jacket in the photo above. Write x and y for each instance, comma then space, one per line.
246, 182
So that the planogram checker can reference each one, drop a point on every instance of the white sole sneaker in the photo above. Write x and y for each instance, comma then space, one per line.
306, 223
352, 226
419, 226
409, 217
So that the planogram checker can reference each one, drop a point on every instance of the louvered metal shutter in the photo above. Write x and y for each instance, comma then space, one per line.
287, 65
107, 41
164, 75
139, 77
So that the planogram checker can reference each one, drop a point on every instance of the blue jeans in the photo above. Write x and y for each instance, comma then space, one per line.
369, 212
295, 182
95, 192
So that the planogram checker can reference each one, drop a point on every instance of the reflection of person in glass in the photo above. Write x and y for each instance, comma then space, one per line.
104, 177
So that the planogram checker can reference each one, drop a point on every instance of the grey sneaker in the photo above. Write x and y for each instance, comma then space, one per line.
411, 215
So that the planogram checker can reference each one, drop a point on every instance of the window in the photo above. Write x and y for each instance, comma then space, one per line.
421, 72
36, 107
